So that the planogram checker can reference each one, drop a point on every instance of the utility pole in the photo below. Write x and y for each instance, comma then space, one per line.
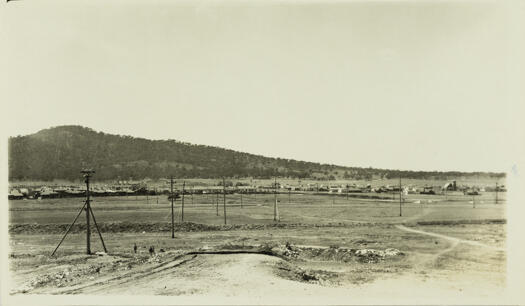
241, 198
172, 198
217, 202
275, 203
224, 198
182, 200
89, 212
400, 195
496, 192
289, 195
192, 191
347, 190
87, 175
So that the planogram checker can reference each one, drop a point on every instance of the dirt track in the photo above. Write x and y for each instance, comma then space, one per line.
252, 277
439, 262
453, 239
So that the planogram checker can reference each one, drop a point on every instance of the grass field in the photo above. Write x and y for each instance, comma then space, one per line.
325, 232
258, 209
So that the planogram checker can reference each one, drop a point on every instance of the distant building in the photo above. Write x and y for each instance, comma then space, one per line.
336, 190
14, 194
450, 186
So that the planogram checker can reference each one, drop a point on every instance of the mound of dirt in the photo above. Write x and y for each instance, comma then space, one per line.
321, 277
371, 255
136, 227
333, 253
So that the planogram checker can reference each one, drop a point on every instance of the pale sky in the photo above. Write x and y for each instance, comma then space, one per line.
415, 85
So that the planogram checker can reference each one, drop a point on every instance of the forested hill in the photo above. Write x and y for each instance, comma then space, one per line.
60, 152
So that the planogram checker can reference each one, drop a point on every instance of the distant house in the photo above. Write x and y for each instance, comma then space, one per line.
14, 194
47, 193
412, 190
323, 188
356, 189
428, 190
336, 190
24, 191
450, 186
471, 191
246, 189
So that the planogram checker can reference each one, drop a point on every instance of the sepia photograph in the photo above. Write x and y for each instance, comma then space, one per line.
279, 152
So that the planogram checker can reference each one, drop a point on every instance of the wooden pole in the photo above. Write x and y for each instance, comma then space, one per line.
182, 200
88, 207
98, 230
275, 203
69, 228
224, 198
400, 197
496, 192
172, 213
217, 203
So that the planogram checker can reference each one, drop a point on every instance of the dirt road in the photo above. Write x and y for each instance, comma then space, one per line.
453, 239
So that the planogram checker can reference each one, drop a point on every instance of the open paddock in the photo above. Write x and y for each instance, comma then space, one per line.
258, 209
321, 235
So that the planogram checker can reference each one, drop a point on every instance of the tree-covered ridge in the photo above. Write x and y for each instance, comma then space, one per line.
59, 153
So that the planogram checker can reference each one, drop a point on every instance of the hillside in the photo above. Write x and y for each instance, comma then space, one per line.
60, 152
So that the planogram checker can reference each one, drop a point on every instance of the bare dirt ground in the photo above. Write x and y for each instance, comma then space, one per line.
353, 263
340, 251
